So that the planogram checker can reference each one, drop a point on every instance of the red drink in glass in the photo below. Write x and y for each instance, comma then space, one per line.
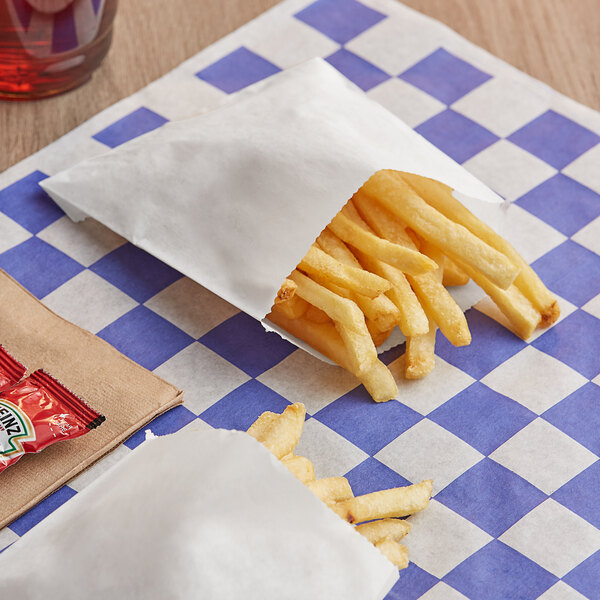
51, 46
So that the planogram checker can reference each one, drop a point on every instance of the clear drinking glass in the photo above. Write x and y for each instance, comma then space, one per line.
51, 46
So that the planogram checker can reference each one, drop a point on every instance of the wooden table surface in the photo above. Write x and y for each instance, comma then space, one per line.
556, 41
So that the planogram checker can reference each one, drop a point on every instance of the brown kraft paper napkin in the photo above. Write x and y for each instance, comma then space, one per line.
124, 392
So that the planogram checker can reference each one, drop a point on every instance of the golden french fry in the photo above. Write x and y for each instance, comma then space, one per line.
520, 312
376, 531
395, 502
389, 189
281, 434
419, 359
433, 297
286, 291
396, 553
316, 315
337, 308
300, 467
318, 262
360, 346
293, 308
453, 275
379, 382
440, 197
331, 243
258, 429
331, 489
408, 261
378, 336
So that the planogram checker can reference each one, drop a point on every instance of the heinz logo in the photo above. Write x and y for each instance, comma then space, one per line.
10, 423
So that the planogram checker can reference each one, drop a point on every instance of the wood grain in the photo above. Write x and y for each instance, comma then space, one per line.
556, 41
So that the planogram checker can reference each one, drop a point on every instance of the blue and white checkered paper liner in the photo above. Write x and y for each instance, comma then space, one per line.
509, 430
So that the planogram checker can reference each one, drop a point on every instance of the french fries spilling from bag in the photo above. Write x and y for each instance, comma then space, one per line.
375, 515
385, 261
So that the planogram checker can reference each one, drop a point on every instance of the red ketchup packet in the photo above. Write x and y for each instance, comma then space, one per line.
11, 370
37, 412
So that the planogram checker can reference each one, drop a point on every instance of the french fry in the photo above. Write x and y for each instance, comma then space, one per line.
331, 489
520, 312
378, 336
281, 434
389, 189
293, 307
434, 298
453, 275
396, 553
316, 315
395, 502
379, 382
419, 358
408, 261
440, 197
286, 291
318, 262
300, 467
259, 428
376, 531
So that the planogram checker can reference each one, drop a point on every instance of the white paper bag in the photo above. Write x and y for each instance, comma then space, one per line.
194, 515
235, 197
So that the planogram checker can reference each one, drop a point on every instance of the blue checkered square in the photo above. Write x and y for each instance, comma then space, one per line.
38, 266
491, 496
368, 425
40, 511
482, 417
146, 338
135, 272
413, 582
571, 271
28, 204
491, 345
581, 494
445, 76
240, 408
574, 341
237, 70
497, 572
372, 476
364, 74
555, 139
340, 20
244, 342
578, 415
134, 124
585, 577
169, 422
563, 203
459, 137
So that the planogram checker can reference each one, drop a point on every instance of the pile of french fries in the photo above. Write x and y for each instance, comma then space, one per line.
375, 515
385, 260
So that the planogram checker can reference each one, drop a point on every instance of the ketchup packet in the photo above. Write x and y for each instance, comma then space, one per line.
11, 370
37, 412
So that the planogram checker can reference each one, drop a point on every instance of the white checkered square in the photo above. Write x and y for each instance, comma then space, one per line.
331, 453
440, 539
395, 44
89, 301
543, 455
589, 236
7, 537
86, 241
290, 42
12, 233
509, 170
553, 537
593, 307
427, 448
535, 379
502, 105
586, 169
191, 307
204, 376
427, 394
561, 591
442, 591
406, 101
303, 378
